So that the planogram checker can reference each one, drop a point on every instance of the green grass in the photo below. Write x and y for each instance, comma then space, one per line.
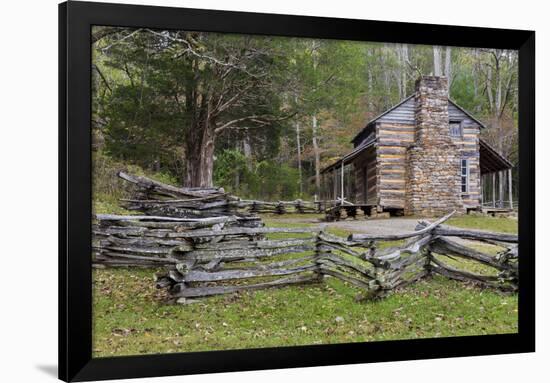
131, 317
109, 204
498, 224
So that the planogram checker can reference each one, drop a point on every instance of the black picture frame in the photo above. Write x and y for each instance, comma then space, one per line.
75, 206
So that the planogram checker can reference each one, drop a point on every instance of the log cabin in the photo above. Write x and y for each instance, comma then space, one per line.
424, 157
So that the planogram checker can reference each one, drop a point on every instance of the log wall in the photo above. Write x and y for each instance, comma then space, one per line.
364, 168
395, 132
393, 141
469, 148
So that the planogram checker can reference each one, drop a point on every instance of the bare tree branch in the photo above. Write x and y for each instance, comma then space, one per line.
262, 119
121, 40
189, 49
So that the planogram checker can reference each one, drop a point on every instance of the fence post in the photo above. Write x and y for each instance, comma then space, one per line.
299, 206
319, 251
428, 264
376, 285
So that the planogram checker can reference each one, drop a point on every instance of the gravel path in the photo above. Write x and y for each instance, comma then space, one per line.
383, 226
394, 225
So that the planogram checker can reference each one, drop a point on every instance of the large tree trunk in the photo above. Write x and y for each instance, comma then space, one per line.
475, 75
317, 154
299, 148
387, 85
401, 76
437, 60
371, 96
448, 67
199, 156
405, 60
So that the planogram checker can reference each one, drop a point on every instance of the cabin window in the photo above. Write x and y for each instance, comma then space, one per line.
455, 128
464, 175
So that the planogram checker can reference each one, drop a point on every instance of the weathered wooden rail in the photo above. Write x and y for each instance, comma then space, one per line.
212, 256
155, 198
282, 207
150, 241
151, 197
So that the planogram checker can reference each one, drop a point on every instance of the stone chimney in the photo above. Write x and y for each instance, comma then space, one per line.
432, 180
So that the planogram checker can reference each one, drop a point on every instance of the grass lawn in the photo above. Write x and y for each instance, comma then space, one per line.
131, 317
497, 224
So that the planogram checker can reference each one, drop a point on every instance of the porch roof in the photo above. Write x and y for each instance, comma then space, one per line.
490, 160
369, 142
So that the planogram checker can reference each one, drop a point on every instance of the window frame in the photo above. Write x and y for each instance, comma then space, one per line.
460, 127
464, 177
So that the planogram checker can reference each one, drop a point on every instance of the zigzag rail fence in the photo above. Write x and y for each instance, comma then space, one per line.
211, 256
156, 198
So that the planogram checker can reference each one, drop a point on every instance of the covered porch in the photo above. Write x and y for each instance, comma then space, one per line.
349, 183
496, 180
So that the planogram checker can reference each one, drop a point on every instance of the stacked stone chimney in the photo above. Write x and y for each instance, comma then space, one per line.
432, 179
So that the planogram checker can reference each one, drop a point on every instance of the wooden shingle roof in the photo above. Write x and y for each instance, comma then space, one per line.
403, 112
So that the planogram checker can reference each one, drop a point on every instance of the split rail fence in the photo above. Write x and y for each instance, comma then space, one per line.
156, 198
210, 256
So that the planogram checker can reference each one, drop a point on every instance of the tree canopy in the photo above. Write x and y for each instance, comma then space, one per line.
261, 115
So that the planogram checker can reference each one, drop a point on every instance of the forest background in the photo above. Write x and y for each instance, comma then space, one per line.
262, 115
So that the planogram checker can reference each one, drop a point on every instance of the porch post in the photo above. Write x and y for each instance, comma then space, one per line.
481, 184
335, 195
510, 188
342, 182
494, 191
